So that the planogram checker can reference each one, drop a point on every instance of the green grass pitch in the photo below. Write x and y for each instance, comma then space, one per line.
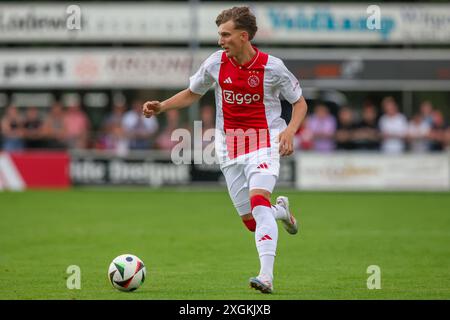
195, 246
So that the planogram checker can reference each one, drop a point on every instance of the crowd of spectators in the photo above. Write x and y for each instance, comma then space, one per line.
388, 131
123, 129
61, 128
69, 127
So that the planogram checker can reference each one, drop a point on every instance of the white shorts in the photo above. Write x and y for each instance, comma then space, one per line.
241, 178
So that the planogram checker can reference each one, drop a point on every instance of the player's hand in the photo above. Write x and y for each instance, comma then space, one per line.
151, 108
286, 140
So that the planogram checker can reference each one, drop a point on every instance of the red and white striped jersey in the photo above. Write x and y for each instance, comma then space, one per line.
248, 106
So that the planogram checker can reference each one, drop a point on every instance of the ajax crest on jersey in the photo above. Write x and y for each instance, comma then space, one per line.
126, 272
253, 81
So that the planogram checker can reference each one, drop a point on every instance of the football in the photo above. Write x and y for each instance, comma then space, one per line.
126, 272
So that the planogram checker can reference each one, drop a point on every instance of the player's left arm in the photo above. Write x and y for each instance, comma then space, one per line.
286, 138
290, 89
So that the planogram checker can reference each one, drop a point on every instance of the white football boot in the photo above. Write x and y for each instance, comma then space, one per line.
289, 222
262, 283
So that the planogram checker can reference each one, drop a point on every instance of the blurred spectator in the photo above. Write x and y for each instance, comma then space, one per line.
163, 141
447, 138
115, 118
418, 131
323, 127
54, 130
367, 134
207, 116
77, 126
345, 130
439, 132
303, 139
12, 130
112, 135
426, 111
393, 126
33, 129
138, 129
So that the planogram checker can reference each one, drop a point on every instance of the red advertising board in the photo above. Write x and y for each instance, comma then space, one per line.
22, 170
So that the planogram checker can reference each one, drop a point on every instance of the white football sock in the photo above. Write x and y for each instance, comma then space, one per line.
279, 213
267, 262
266, 236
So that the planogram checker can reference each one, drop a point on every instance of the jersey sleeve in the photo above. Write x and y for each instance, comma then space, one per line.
287, 83
202, 80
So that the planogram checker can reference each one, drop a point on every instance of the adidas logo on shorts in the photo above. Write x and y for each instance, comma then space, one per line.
263, 166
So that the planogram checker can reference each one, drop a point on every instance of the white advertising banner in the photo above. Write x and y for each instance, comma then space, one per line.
100, 67
372, 172
336, 23
97, 68
353, 23
105, 22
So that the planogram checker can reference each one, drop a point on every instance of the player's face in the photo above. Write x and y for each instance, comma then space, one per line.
231, 39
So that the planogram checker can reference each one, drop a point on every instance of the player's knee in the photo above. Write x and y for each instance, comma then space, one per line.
249, 222
259, 200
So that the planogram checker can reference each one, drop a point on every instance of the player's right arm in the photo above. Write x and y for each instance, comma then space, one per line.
182, 99
199, 84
